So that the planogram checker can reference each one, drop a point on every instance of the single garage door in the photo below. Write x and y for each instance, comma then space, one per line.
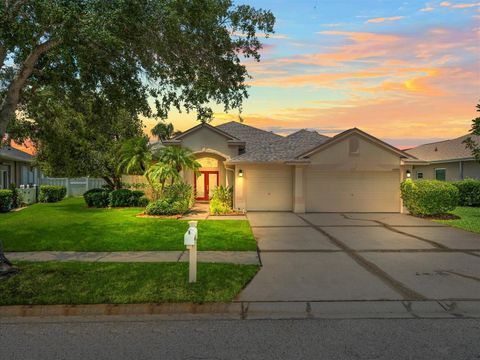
352, 191
269, 188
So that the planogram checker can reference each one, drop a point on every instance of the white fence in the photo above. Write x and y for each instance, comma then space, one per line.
75, 186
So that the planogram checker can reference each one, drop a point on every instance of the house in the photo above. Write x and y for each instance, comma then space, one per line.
302, 172
16, 168
447, 160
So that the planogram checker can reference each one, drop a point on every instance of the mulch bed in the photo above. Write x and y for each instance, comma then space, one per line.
142, 215
439, 217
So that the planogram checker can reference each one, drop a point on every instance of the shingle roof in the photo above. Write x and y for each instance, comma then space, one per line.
444, 150
254, 138
283, 148
10, 153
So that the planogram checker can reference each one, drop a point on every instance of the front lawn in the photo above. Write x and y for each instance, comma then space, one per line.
469, 219
70, 226
122, 283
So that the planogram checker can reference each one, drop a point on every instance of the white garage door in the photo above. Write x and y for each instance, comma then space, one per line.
352, 191
269, 188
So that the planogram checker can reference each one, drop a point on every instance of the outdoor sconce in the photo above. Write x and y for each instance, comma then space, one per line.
409, 174
240, 173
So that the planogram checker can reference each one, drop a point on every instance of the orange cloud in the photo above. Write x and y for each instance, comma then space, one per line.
384, 19
459, 6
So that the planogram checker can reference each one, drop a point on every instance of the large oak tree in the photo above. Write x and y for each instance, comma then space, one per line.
180, 53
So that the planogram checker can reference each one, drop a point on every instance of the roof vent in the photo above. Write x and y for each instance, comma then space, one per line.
436, 148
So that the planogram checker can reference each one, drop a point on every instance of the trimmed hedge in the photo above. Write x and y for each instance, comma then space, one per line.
52, 193
469, 191
98, 198
127, 198
6, 200
429, 197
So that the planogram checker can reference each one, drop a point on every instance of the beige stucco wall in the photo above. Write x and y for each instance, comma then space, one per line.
452, 171
371, 157
368, 180
471, 169
205, 138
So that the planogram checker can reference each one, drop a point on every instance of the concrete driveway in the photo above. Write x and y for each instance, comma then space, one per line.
331, 256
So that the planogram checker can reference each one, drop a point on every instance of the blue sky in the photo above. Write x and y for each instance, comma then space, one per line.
407, 72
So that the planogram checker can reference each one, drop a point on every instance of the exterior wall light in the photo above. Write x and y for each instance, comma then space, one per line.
240, 173
409, 174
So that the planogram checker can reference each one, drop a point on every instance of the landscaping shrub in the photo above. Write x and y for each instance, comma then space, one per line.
6, 200
52, 193
177, 199
126, 198
429, 197
16, 197
469, 191
97, 197
222, 200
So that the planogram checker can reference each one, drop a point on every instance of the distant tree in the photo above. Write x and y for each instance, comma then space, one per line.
178, 53
79, 136
162, 131
475, 130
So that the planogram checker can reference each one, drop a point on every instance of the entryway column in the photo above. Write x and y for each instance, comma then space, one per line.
298, 190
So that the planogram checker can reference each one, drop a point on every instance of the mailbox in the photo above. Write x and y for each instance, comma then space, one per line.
190, 241
190, 237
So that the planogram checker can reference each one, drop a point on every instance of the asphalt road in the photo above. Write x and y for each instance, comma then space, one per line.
124, 338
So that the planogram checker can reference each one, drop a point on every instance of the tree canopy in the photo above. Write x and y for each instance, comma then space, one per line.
183, 54
470, 143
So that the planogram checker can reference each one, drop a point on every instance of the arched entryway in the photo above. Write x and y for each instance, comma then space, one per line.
211, 174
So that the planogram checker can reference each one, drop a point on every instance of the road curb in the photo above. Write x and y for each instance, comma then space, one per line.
259, 310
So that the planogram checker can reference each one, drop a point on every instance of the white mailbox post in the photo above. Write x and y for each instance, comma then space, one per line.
190, 241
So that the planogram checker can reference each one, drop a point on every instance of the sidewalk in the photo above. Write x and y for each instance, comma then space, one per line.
232, 257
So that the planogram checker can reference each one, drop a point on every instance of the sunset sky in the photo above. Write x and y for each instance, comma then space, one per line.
407, 72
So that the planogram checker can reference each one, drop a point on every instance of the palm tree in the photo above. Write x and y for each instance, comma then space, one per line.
161, 172
162, 131
135, 156
179, 158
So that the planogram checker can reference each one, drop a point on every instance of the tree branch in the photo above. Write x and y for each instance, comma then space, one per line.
12, 96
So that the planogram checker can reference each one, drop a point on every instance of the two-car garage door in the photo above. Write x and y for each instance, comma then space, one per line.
270, 188
354, 191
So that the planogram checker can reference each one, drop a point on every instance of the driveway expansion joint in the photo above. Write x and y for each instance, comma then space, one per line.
394, 284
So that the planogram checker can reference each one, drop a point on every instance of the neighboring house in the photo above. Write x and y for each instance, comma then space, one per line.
447, 160
302, 172
16, 168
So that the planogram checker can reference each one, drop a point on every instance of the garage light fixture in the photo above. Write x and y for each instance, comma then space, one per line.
240, 173
409, 174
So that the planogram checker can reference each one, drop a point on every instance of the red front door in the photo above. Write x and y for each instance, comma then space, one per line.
204, 184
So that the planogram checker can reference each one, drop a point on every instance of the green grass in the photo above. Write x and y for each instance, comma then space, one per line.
469, 219
122, 283
70, 226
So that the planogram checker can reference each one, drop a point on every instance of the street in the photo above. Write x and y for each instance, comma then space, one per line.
154, 338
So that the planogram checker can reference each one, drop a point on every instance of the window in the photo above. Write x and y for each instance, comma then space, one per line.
419, 175
441, 174
354, 146
4, 180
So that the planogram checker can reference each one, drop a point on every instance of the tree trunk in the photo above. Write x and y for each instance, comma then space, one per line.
109, 182
12, 96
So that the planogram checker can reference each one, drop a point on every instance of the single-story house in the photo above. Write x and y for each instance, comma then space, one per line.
16, 168
447, 160
302, 172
